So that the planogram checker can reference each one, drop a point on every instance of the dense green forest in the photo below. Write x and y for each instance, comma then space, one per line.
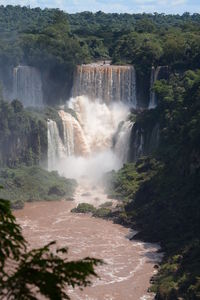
51, 38
160, 192
55, 42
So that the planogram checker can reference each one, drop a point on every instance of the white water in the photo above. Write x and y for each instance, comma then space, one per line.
121, 147
129, 264
88, 138
27, 86
109, 83
56, 149
154, 77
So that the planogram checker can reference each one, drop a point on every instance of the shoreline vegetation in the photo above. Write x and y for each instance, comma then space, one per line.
27, 184
178, 271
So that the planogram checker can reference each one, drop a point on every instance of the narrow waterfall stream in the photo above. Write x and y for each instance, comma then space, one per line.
27, 86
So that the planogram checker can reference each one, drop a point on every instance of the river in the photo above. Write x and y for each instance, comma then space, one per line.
129, 264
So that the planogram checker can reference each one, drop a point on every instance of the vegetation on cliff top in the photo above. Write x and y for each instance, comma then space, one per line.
23, 135
161, 193
23, 132
53, 39
33, 183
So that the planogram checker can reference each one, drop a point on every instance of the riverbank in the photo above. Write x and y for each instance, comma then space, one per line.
159, 204
26, 184
129, 264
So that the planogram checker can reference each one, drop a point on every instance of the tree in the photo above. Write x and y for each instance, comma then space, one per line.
25, 273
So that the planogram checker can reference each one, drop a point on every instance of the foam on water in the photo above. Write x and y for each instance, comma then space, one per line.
128, 264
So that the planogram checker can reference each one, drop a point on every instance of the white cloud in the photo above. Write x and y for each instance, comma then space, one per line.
131, 6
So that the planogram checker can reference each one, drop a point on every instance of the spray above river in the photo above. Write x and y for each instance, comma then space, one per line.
96, 130
91, 136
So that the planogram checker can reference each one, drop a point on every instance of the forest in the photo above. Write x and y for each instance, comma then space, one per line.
160, 191
52, 38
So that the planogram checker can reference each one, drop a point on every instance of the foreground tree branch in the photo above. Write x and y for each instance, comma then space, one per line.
25, 274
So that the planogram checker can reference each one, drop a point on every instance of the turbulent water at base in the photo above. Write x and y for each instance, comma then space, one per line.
88, 134
129, 264
154, 76
27, 86
106, 82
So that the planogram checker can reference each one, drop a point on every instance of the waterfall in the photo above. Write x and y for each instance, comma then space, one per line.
106, 82
154, 138
98, 121
102, 97
56, 149
27, 86
154, 77
75, 142
137, 142
122, 141
88, 130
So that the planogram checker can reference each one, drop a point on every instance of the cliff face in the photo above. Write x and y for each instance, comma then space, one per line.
144, 82
23, 135
144, 141
35, 87
107, 82
57, 85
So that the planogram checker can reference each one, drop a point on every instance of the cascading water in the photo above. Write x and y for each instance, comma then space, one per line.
106, 82
154, 76
88, 138
102, 97
56, 149
121, 146
75, 142
27, 86
137, 142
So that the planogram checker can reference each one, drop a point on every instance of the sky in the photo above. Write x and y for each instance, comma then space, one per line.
118, 6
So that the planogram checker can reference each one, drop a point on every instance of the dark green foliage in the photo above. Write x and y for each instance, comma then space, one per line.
24, 274
84, 208
39, 37
55, 41
161, 194
125, 183
12, 244
32, 184
179, 274
102, 212
23, 133
106, 204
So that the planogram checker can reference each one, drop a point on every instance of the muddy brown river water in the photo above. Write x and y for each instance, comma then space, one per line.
129, 264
